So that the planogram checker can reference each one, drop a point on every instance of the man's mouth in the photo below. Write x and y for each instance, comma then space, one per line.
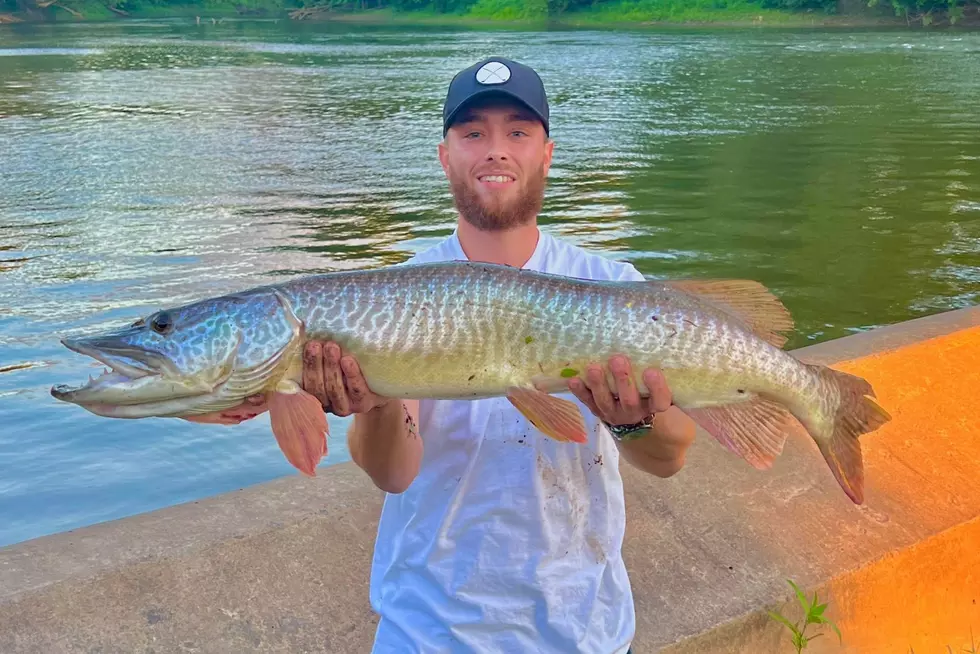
495, 180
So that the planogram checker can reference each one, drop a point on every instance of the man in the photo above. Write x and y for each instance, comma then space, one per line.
493, 537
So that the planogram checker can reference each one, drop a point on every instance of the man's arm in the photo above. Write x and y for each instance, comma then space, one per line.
661, 451
384, 442
383, 439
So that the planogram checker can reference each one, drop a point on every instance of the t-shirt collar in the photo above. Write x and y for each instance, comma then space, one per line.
534, 263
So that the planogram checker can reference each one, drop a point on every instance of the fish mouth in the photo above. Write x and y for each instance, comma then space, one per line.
128, 368
127, 360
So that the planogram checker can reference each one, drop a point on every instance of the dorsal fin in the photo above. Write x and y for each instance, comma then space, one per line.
745, 299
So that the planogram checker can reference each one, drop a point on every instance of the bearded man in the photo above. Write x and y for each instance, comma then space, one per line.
494, 538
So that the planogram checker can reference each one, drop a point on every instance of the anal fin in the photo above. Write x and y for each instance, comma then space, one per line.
300, 426
755, 429
557, 418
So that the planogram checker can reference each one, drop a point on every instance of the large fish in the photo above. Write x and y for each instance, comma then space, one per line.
468, 330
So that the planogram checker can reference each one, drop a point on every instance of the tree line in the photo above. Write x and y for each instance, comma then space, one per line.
919, 12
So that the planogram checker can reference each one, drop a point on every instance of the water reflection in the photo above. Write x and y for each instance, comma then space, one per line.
155, 162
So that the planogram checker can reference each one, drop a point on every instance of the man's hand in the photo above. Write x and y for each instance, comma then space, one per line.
662, 451
383, 439
252, 406
337, 381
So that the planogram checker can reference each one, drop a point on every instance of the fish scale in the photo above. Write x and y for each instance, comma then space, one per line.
485, 315
462, 330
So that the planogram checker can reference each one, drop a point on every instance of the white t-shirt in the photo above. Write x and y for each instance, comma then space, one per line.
507, 540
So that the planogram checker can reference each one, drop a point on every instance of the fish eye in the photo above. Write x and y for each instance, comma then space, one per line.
161, 323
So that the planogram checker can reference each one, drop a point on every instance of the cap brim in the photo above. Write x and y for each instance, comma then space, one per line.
447, 123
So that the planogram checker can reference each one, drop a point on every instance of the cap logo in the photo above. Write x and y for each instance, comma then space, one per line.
493, 72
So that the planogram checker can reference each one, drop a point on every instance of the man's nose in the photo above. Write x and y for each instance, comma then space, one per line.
496, 150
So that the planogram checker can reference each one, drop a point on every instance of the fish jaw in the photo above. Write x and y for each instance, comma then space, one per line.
111, 350
137, 383
114, 387
182, 407
172, 375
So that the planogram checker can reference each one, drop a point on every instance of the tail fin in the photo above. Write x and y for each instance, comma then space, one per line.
857, 413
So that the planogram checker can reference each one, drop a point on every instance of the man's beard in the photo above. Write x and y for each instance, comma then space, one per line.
499, 216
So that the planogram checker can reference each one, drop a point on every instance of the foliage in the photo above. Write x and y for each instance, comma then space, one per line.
924, 12
812, 615
509, 9
827, 6
103, 9
636, 11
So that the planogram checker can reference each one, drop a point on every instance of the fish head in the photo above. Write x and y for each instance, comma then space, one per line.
194, 359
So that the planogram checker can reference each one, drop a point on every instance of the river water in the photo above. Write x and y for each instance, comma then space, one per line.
149, 163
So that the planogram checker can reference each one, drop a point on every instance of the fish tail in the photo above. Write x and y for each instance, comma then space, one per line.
854, 413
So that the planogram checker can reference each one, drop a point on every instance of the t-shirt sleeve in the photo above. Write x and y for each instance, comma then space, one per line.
629, 273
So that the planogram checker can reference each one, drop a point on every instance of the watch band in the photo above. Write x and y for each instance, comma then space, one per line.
632, 431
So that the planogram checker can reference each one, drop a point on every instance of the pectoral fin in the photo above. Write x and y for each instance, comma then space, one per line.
300, 426
557, 418
755, 430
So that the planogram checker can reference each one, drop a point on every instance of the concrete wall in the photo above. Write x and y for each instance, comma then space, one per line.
263, 569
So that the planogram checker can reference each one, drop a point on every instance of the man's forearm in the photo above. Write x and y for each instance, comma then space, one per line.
385, 443
663, 451
651, 457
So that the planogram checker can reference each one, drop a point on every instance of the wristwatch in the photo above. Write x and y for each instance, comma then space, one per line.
630, 432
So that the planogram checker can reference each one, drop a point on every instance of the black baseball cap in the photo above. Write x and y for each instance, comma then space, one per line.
496, 76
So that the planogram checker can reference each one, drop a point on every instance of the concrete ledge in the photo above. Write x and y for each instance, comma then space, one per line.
256, 570
922, 599
284, 566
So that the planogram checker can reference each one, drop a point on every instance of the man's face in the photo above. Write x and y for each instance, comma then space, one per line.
496, 157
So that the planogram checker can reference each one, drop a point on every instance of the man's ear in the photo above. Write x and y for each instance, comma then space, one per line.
549, 149
443, 151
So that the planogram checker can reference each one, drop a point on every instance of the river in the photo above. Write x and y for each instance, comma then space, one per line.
154, 162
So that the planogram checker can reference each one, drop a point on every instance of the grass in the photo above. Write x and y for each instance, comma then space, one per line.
509, 10
621, 14
686, 11
429, 18
617, 14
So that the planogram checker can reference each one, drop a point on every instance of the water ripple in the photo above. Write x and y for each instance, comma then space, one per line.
152, 163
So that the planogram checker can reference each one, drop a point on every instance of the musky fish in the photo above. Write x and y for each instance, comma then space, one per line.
462, 330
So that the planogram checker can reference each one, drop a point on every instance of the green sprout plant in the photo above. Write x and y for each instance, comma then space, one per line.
812, 615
